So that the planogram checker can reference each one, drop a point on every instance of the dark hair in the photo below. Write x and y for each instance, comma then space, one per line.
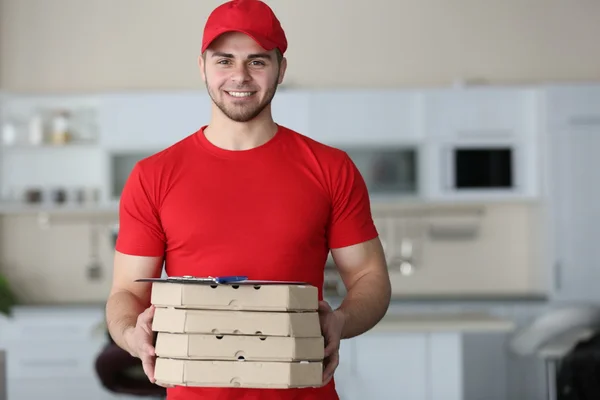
279, 56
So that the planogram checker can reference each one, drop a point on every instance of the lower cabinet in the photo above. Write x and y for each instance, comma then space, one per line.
51, 355
408, 366
63, 388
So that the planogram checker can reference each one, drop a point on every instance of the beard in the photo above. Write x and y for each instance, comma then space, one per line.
246, 111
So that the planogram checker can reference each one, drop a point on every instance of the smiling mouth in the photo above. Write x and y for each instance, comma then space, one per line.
239, 95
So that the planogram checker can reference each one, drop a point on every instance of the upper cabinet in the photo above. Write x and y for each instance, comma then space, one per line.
572, 107
572, 173
342, 117
478, 113
151, 121
291, 109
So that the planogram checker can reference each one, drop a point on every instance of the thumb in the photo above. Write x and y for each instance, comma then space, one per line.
147, 316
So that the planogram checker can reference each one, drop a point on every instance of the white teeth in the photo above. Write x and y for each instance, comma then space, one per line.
240, 94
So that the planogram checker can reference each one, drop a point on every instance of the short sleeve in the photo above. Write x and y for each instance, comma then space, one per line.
351, 220
140, 230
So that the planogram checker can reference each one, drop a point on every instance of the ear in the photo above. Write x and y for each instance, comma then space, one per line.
201, 65
282, 69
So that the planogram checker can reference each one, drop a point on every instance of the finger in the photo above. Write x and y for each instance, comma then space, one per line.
165, 385
148, 366
150, 350
324, 307
331, 348
332, 364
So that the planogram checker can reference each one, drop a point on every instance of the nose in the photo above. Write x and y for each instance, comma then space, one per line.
240, 74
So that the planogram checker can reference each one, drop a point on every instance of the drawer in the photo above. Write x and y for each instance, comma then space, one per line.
55, 389
52, 327
58, 360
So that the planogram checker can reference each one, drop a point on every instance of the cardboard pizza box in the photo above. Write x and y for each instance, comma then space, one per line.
239, 347
219, 322
235, 296
248, 374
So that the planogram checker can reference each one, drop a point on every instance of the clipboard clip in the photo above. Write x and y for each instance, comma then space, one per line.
208, 279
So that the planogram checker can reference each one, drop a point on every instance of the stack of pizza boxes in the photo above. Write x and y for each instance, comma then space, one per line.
237, 335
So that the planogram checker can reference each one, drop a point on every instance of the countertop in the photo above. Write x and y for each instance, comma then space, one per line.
396, 320
440, 322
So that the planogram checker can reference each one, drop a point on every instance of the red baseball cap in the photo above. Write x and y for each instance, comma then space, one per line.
252, 17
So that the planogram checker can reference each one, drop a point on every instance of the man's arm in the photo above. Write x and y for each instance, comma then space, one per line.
128, 299
364, 272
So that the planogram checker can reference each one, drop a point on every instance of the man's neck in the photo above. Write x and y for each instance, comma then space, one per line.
231, 135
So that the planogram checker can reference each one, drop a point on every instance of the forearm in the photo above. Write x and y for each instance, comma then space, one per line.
365, 304
122, 311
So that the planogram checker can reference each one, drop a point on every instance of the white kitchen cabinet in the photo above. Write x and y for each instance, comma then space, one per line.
401, 365
345, 383
391, 366
49, 349
572, 107
355, 117
291, 109
575, 177
572, 176
478, 113
151, 121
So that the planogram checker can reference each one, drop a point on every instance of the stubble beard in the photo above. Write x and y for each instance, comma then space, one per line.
244, 112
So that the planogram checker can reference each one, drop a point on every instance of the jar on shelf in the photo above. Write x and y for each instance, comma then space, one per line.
60, 133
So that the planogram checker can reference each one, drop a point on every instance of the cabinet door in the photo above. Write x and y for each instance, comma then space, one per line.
445, 366
465, 251
391, 366
344, 117
344, 374
575, 174
477, 113
151, 121
291, 109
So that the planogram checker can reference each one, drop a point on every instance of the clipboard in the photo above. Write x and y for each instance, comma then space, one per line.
219, 280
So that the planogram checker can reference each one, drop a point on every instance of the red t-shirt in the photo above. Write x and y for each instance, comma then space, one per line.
272, 212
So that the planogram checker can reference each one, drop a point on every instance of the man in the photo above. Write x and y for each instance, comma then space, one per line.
245, 196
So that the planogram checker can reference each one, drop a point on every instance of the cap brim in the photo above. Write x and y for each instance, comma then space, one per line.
262, 41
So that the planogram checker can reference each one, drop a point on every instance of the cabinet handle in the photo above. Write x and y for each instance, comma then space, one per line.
406, 248
488, 133
50, 363
407, 268
585, 120
557, 275
456, 232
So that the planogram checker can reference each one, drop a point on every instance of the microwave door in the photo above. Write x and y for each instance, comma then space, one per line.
483, 168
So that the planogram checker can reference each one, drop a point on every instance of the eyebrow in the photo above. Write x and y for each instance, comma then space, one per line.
250, 56
260, 55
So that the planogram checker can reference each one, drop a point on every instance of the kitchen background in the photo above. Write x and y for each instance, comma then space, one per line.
475, 125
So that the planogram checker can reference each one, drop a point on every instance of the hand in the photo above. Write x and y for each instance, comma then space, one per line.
332, 326
139, 342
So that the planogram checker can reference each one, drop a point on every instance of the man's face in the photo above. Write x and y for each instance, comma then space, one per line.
241, 76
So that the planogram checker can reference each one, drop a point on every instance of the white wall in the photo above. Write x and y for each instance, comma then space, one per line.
75, 45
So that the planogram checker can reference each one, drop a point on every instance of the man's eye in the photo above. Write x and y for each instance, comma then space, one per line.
256, 62
223, 62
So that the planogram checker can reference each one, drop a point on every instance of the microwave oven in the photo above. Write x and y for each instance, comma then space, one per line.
478, 167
